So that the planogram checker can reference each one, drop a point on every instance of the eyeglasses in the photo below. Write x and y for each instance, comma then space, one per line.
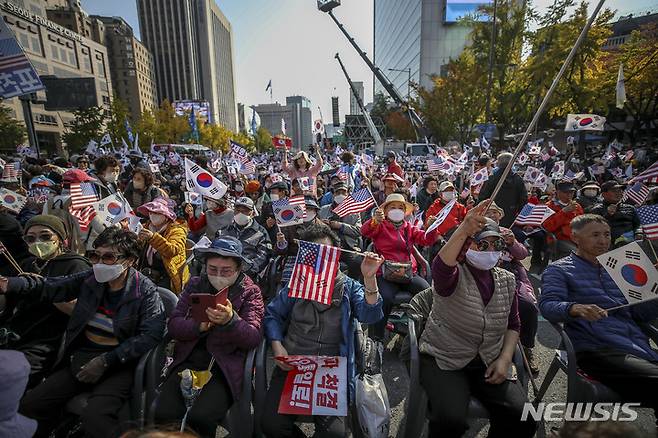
43, 237
107, 258
223, 272
497, 245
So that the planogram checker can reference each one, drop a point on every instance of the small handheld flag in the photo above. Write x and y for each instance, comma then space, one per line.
357, 202
443, 214
314, 273
533, 215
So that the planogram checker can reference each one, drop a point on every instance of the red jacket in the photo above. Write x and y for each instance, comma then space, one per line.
395, 244
456, 216
395, 168
560, 223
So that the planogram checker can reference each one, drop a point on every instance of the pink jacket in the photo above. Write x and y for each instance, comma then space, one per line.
395, 244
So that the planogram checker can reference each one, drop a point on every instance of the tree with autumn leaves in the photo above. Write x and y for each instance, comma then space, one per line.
526, 58
160, 126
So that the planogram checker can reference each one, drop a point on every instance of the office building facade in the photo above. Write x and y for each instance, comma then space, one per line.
355, 109
192, 45
297, 116
57, 51
131, 66
302, 120
416, 34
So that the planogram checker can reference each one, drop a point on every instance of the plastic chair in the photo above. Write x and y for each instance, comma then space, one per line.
416, 406
261, 383
138, 399
580, 387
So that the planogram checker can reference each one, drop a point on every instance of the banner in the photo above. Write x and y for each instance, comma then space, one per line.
317, 385
18, 75
632, 272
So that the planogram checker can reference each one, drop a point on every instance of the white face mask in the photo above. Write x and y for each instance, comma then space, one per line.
104, 273
591, 193
339, 198
239, 188
157, 219
395, 215
241, 219
448, 196
220, 283
110, 177
310, 215
211, 205
274, 197
483, 260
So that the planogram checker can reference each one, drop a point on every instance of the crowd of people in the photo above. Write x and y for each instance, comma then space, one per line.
81, 299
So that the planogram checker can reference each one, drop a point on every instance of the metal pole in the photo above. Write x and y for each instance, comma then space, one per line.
409, 86
29, 123
544, 102
491, 61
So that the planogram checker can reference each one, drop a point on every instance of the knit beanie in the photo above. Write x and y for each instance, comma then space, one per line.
50, 221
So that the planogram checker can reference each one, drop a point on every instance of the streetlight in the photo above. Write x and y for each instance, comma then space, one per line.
408, 70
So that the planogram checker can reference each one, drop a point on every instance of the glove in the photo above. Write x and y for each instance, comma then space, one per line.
93, 370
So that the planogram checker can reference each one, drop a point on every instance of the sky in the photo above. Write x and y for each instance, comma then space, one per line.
293, 44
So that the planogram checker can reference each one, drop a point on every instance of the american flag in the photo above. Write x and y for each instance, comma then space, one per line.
12, 57
248, 168
359, 201
12, 171
649, 219
341, 174
533, 215
638, 193
84, 216
649, 175
83, 195
314, 273
434, 165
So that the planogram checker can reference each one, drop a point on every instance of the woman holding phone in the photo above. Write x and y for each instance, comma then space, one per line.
219, 343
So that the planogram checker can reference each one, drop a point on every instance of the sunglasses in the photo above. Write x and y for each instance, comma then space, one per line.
43, 237
108, 258
497, 245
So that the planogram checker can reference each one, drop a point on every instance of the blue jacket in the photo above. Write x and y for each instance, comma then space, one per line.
574, 280
354, 305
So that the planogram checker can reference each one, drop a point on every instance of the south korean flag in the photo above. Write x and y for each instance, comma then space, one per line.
201, 181
632, 272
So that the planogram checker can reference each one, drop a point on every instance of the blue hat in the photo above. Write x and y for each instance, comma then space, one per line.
225, 246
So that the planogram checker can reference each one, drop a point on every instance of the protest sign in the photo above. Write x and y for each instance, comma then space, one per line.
317, 385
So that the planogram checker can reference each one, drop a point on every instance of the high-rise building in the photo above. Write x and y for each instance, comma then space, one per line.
192, 46
355, 109
131, 66
302, 120
296, 115
58, 51
421, 35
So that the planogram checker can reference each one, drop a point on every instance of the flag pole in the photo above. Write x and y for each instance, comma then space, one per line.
544, 102
373, 197
297, 241
631, 304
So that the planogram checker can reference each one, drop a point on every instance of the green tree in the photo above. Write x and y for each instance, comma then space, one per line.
147, 128
456, 102
116, 120
639, 56
87, 125
263, 140
12, 131
579, 88
381, 105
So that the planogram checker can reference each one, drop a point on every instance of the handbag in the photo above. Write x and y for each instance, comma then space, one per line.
398, 272
372, 405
